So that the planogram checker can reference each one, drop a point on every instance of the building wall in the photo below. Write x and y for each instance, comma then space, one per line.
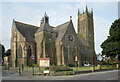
59, 52
39, 45
18, 40
45, 44
69, 48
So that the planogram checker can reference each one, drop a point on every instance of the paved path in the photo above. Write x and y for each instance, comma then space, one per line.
104, 75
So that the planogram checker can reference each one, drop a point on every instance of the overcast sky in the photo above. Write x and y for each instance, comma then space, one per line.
59, 12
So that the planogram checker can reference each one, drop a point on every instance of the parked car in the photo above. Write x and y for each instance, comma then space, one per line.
87, 64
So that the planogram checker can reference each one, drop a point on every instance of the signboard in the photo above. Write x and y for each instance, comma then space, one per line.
46, 71
32, 57
44, 62
76, 58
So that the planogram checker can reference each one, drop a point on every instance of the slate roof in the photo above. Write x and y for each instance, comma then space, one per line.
46, 27
61, 30
26, 30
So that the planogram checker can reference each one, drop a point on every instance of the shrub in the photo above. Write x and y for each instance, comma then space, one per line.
60, 74
62, 68
104, 63
71, 65
46, 68
36, 64
62, 65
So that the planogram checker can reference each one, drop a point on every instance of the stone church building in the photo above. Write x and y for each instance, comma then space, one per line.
61, 44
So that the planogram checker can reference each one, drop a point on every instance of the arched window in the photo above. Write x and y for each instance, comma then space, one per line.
29, 51
20, 51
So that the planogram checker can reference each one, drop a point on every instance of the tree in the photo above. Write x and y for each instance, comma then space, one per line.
2, 50
111, 61
111, 46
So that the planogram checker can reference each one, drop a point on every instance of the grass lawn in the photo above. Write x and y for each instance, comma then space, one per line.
107, 66
29, 70
83, 68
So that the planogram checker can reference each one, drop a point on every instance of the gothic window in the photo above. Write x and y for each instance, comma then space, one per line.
20, 51
29, 63
29, 51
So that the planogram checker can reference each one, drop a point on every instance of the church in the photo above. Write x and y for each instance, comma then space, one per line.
61, 44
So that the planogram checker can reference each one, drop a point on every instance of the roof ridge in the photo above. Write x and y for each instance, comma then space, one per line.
46, 27
33, 26
63, 24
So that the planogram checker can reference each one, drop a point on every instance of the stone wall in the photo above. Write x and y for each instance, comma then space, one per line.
45, 44
39, 45
68, 48
17, 40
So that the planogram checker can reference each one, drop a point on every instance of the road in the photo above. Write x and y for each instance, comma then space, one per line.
104, 75
107, 75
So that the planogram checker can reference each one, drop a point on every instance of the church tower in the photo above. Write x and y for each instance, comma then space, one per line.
86, 27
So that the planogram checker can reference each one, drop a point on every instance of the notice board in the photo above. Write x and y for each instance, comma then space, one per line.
44, 62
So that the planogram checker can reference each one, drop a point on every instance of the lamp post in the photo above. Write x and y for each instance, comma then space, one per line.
33, 57
20, 56
33, 68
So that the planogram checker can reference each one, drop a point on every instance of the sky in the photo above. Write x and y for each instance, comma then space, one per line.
104, 14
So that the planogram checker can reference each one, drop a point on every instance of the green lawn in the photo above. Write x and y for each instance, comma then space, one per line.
83, 68
107, 66
28, 70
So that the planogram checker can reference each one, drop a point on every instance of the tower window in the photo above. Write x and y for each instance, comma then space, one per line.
46, 19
